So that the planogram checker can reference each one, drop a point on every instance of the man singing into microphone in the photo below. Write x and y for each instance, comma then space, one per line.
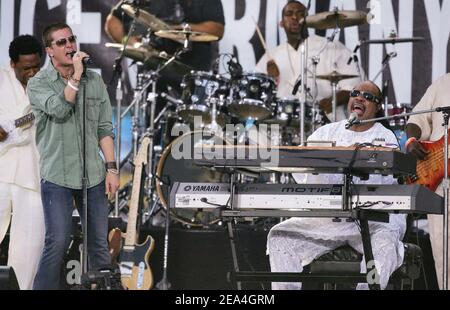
296, 242
56, 95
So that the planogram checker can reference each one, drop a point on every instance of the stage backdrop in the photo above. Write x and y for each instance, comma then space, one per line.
410, 73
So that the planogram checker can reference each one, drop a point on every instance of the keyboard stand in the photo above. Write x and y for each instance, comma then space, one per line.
363, 216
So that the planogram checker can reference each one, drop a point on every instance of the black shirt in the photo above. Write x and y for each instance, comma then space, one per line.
192, 11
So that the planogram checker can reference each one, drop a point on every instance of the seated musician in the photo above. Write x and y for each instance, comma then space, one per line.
296, 242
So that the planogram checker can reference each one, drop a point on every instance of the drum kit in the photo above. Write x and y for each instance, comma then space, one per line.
217, 99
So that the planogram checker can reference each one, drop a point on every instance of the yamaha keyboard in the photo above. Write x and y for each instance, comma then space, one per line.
305, 197
360, 160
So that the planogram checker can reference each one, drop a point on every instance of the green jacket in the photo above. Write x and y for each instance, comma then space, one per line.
59, 127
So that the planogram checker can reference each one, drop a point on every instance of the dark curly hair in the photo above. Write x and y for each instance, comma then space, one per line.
24, 45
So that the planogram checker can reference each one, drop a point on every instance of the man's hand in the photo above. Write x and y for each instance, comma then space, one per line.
3, 134
112, 184
416, 149
78, 63
272, 69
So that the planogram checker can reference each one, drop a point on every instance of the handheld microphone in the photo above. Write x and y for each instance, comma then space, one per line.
86, 60
351, 120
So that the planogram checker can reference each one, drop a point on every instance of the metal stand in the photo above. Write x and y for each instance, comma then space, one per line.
164, 284
445, 116
367, 246
119, 97
315, 62
230, 228
84, 260
385, 62
334, 100
304, 87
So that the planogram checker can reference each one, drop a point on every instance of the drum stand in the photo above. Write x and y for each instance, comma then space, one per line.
304, 87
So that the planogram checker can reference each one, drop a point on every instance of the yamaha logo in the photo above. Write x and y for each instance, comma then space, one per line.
202, 188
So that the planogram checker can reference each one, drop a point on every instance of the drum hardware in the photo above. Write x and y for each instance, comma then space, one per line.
385, 62
394, 40
152, 59
336, 19
354, 58
334, 78
145, 18
144, 81
199, 90
251, 96
326, 20
119, 96
186, 34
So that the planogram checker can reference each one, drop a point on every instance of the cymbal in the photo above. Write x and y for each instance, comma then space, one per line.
193, 36
394, 40
136, 52
335, 77
336, 19
145, 18
152, 59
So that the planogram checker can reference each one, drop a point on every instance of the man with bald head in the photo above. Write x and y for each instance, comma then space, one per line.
296, 242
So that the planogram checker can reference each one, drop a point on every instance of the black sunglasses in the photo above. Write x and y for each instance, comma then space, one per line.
63, 41
366, 95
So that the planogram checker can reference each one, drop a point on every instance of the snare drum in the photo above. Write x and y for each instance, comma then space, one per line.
198, 89
251, 96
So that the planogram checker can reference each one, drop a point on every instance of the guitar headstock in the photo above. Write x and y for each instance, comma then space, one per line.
141, 156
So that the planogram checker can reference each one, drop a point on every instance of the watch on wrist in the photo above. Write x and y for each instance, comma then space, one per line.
111, 165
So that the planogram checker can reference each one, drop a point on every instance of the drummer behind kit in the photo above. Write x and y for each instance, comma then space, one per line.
237, 97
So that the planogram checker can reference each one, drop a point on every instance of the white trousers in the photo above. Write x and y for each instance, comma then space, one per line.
435, 227
297, 242
23, 208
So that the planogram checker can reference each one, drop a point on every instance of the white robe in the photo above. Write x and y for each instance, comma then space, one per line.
296, 242
20, 199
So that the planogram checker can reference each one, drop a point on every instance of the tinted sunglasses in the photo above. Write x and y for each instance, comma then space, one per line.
63, 41
366, 95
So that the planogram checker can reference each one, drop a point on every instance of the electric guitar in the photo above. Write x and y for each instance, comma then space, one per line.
133, 258
430, 172
16, 134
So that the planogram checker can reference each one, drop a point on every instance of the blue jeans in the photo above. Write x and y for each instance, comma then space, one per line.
58, 208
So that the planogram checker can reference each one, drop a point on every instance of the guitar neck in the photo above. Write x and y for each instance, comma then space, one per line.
130, 238
24, 120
